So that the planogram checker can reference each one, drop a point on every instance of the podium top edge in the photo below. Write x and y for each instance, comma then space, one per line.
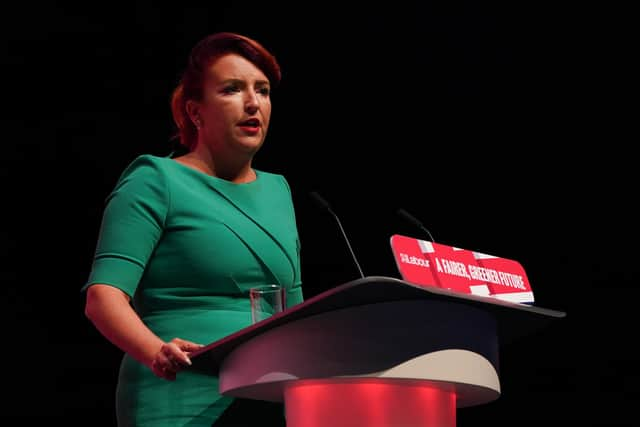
464, 297
514, 319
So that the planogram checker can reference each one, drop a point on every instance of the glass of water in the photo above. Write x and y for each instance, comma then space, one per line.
266, 301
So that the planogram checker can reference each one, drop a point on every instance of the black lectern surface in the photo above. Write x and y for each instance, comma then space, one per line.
514, 320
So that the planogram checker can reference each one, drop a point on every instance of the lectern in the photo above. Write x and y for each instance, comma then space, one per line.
375, 352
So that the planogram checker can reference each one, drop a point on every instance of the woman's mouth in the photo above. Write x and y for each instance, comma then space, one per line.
251, 126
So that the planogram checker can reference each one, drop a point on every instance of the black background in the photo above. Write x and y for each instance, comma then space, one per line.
502, 127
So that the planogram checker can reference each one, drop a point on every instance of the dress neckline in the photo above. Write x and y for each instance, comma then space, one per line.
213, 177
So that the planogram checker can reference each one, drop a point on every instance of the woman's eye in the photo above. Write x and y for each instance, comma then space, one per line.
264, 91
231, 89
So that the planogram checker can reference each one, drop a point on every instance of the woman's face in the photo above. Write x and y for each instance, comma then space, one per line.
235, 108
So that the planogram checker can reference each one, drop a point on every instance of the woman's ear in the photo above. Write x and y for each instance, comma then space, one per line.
193, 110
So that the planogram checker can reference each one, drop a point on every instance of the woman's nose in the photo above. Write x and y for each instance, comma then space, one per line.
251, 102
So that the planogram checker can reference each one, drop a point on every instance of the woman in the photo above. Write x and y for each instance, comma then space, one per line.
183, 238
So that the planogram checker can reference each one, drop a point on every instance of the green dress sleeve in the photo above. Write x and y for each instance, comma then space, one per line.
131, 226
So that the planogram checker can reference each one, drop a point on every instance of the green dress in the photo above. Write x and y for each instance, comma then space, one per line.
186, 247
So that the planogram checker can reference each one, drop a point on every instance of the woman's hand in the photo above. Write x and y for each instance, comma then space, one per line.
172, 357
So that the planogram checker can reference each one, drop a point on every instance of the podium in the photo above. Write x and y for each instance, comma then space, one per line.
375, 352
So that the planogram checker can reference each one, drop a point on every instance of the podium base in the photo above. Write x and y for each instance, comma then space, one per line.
365, 402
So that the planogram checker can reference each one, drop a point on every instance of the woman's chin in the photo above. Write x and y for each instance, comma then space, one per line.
250, 146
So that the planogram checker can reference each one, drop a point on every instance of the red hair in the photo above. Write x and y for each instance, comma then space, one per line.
202, 55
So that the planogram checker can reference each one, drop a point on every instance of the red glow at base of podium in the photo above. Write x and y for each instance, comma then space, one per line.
367, 402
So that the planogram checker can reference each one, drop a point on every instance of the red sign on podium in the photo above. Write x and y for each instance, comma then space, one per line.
426, 263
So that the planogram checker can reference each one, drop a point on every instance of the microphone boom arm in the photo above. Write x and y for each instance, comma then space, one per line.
353, 255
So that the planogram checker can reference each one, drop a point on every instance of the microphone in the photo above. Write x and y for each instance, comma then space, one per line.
410, 218
325, 205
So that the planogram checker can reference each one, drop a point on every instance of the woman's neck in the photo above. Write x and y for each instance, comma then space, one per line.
234, 170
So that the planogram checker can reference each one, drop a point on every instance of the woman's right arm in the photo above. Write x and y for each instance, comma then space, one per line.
109, 309
132, 224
